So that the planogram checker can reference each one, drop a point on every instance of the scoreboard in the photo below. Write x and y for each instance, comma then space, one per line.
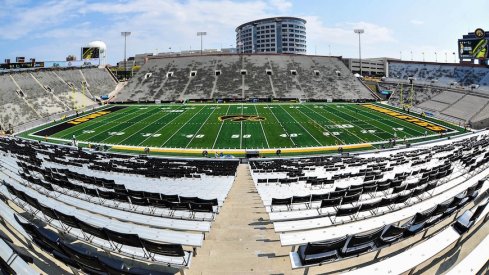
90, 53
474, 46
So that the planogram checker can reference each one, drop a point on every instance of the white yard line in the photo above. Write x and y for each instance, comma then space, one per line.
140, 131
161, 128
312, 109
241, 131
182, 126
222, 123
200, 128
342, 141
379, 120
107, 130
263, 130
281, 125
103, 124
320, 144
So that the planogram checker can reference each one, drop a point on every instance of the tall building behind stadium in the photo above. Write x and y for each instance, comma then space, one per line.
272, 35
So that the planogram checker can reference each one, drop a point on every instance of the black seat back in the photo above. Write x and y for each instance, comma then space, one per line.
319, 247
172, 250
346, 211
67, 219
334, 202
92, 230
478, 211
81, 255
123, 238
363, 238
278, 201
301, 199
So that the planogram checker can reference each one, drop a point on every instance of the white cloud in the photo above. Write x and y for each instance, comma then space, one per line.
416, 22
160, 24
281, 5
342, 34
23, 21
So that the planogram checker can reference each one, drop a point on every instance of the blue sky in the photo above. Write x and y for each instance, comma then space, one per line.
53, 29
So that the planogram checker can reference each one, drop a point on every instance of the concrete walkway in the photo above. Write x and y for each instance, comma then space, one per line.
242, 241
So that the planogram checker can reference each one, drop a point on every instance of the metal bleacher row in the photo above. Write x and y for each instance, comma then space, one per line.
38, 94
244, 76
80, 210
372, 205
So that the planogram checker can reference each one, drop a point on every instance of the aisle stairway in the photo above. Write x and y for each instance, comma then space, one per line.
242, 241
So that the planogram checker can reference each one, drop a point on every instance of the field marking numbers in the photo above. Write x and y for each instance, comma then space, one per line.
340, 118
180, 127
340, 126
243, 136
391, 121
218, 132
88, 124
150, 135
142, 129
302, 126
137, 115
194, 136
324, 128
263, 130
200, 128
283, 128
293, 135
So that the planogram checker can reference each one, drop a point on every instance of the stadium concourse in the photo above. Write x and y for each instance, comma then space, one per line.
72, 202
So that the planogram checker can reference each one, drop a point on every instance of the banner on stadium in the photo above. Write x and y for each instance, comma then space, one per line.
68, 64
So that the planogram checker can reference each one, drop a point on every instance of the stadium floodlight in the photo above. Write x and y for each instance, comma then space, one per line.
201, 34
359, 31
240, 46
125, 34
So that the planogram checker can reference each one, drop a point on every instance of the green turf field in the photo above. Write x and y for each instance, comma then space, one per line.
237, 126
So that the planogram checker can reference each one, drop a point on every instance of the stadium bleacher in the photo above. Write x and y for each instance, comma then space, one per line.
244, 76
149, 226
338, 208
445, 90
383, 211
35, 95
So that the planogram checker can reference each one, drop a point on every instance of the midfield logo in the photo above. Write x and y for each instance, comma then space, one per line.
239, 118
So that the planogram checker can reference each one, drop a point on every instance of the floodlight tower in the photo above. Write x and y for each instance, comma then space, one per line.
359, 31
125, 34
201, 34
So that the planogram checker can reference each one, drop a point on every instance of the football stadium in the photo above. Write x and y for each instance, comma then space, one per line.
258, 159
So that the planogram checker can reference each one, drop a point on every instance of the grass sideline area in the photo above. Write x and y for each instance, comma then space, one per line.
294, 128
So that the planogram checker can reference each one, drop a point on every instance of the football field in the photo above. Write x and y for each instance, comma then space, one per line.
241, 126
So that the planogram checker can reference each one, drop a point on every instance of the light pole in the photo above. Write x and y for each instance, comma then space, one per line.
423, 55
201, 34
411, 55
400, 55
446, 57
125, 34
436, 57
359, 31
240, 47
454, 58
